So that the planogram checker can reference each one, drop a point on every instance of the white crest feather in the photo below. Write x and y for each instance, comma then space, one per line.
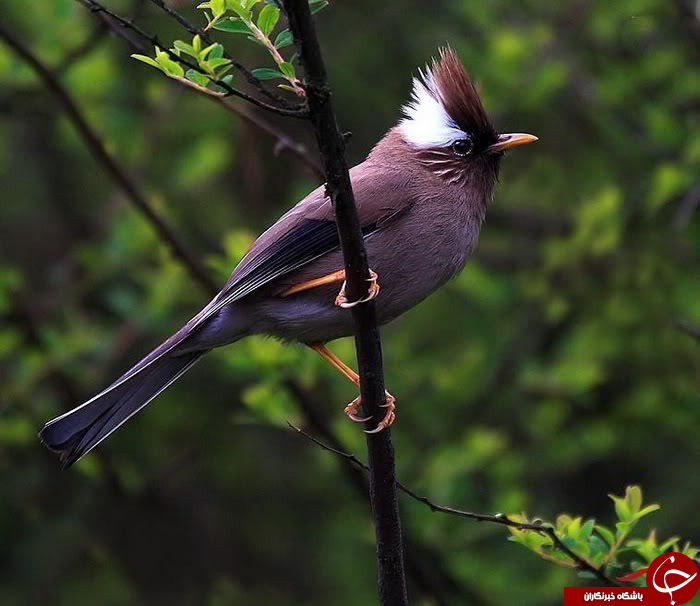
427, 123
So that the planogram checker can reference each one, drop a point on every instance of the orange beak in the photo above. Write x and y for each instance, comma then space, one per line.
511, 140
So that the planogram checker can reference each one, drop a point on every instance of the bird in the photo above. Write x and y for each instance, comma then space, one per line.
421, 195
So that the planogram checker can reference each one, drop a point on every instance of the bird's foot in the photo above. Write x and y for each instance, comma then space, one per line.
390, 404
342, 301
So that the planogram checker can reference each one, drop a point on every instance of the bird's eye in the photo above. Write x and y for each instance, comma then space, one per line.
463, 147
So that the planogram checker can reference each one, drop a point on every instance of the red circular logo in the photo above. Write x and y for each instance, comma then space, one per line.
674, 575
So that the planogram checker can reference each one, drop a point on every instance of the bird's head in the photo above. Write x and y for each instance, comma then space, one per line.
448, 127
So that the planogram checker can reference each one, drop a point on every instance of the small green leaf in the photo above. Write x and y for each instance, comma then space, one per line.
197, 43
267, 19
218, 7
185, 48
606, 534
647, 510
203, 54
317, 5
284, 39
228, 79
265, 73
291, 89
217, 52
147, 60
621, 508
204, 5
288, 70
218, 62
633, 496
169, 66
197, 77
233, 26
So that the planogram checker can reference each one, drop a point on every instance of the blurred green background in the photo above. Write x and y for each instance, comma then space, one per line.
560, 366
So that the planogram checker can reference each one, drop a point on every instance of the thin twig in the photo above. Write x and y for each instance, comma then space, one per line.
283, 141
110, 164
496, 518
425, 565
192, 29
96, 7
331, 143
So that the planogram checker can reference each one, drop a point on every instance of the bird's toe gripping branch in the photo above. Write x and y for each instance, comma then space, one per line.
342, 301
390, 404
352, 408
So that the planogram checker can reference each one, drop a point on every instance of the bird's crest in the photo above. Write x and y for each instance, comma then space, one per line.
444, 106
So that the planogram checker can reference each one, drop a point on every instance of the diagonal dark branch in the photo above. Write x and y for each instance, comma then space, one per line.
426, 567
385, 508
110, 165
496, 518
283, 141
96, 7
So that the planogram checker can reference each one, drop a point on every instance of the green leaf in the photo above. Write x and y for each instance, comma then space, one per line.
185, 48
197, 77
218, 7
218, 62
647, 510
291, 89
217, 52
228, 79
288, 70
633, 496
147, 60
284, 39
317, 5
606, 534
621, 508
265, 73
169, 66
233, 26
267, 19
197, 43
203, 54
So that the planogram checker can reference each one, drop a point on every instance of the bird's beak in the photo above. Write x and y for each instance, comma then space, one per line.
511, 140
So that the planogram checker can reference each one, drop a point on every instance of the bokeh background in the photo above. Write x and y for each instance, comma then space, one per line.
560, 366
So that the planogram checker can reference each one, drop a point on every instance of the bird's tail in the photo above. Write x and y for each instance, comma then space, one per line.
78, 431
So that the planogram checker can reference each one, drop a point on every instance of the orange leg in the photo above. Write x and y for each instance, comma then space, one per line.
337, 276
352, 408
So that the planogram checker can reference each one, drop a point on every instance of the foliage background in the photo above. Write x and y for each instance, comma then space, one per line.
560, 366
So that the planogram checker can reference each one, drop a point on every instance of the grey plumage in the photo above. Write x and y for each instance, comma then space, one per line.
421, 209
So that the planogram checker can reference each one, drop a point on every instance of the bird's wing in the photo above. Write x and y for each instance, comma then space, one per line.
307, 232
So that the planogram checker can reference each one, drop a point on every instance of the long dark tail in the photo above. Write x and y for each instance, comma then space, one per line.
76, 432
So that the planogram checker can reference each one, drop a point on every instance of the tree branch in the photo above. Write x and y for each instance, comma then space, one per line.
192, 29
425, 566
283, 141
96, 7
110, 165
496, 518
387, 523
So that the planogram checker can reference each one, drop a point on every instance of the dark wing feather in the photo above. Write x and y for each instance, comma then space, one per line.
307, 232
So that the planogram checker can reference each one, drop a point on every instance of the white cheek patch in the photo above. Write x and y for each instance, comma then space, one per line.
427, 124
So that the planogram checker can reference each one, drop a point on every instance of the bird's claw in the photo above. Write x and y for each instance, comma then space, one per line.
351, 411
389, 417
342, 301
